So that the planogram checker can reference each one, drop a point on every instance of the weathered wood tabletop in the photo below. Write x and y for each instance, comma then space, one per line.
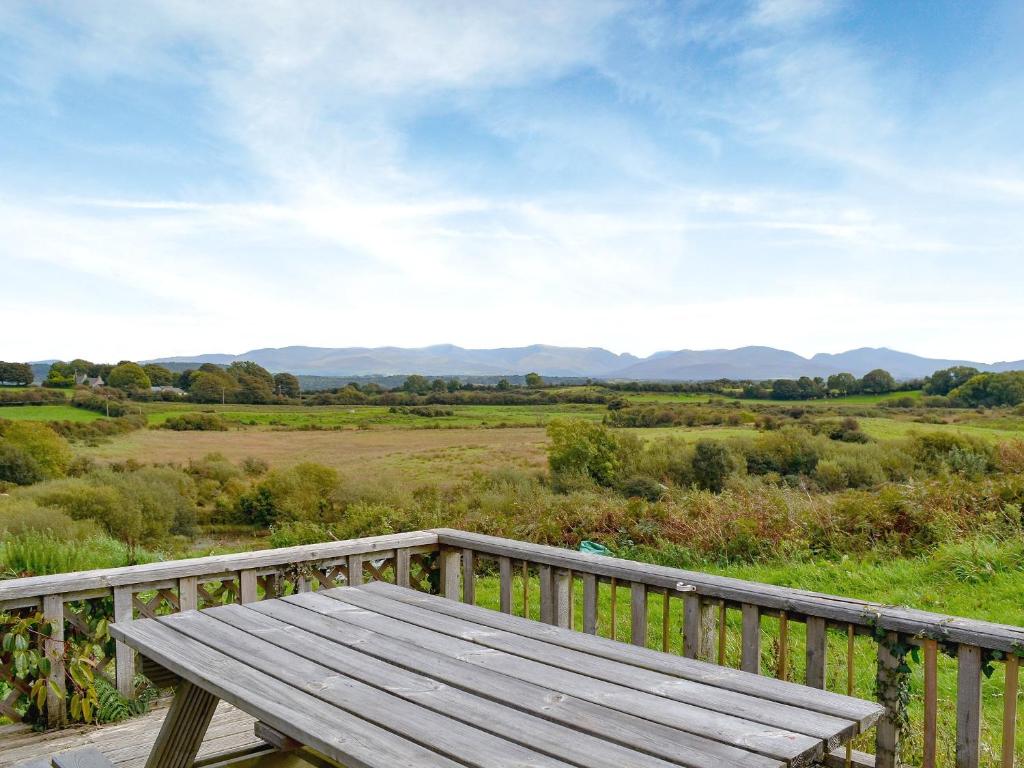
379, 675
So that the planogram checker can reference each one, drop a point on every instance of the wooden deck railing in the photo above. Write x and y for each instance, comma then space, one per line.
562, 580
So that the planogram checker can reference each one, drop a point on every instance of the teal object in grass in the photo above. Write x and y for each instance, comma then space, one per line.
593, 548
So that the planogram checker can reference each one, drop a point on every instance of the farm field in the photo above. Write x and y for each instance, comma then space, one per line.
47, 413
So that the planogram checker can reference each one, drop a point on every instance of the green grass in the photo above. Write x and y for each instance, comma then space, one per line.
979, 580
47, 413
687, 398
368, 416
891, 429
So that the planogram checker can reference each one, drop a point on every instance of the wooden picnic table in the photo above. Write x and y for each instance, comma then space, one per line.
382, 676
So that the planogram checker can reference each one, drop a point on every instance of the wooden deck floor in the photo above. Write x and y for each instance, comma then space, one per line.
126, 744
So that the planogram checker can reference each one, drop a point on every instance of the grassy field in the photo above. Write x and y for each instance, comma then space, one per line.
47, 413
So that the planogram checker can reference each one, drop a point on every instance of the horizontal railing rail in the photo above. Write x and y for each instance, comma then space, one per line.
449, 561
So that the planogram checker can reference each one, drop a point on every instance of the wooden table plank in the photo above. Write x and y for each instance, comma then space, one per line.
509, 723
768, 740
865, 713
830, 729
350, 740
445, 735
612, 725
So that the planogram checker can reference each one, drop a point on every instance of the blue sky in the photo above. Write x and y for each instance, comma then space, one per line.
185, 177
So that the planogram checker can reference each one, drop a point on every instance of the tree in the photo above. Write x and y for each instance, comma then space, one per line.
712, 464
992, 389
60, 375
17, 465
534, 380
877, 382
158, 375
786, 389
209, 387
842, 383
16, 374
944, 381
503, 384
286, 385
583, 447
416, 384
255, 384
130, 377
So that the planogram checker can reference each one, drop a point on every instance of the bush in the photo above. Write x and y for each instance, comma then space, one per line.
583, 448
196, 422
788, 451
49, 450
254, 467
18, 466
643, 487
830, 476
712, 464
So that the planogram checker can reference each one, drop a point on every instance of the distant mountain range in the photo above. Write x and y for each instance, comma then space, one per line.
593, 362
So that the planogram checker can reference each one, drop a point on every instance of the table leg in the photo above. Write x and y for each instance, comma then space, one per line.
184, 728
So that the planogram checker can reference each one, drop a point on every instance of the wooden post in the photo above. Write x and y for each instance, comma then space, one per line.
468, 577
247, 591
968, 707
183, 728
188, 593
751, 655
547, 594
691, 626
53, 648
638, 614
450, 573
355, 570
402, 567
124, 655
590, 603
931, 703
708, 622
561, 593
887, 731
505, 576
817, 651
1010, 709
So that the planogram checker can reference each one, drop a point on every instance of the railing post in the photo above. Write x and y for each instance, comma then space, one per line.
590, 603
817, 651
887, 731
450, 573
355, 570
968, 706
505, 575
53, 648
562, 598
750, 660
247, 592
547, 594
638, 613
402, 567
691, 626
468, 577
188, 593
124, 655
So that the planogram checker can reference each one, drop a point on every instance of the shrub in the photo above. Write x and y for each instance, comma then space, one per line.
712, 464
643, 487
585, 448
49, 450
830, 476
196, 422
254, 467
788, 451
17, 466
306, 491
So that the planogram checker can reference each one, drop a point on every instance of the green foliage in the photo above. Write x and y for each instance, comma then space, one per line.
585, 448
129, 377
196, 422
992, 389
206, 386
159, 376
47, 449
788, 451
286, 385
945, 381
843, 384
306, 491
18, 466
877, 382
16, 374
534, 380
255, 383
712, 465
